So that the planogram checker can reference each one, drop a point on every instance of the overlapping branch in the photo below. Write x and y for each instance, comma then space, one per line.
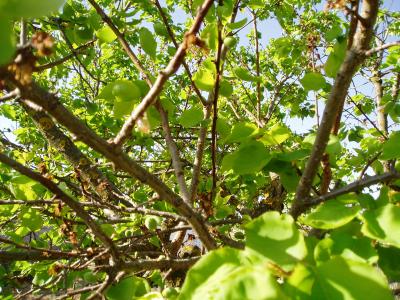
354, 57
52, 105
162, 78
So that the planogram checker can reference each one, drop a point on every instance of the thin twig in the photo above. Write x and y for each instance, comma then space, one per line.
162, 78
12, 95
354, 187
76, 51
74, 205
381, 47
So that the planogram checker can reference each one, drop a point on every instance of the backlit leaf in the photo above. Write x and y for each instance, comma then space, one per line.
276, 237
331, 214
148, 42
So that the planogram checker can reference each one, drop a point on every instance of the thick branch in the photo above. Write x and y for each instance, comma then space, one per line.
34, 255
156, 264
74, 205
51, 104
354, 187
354, 57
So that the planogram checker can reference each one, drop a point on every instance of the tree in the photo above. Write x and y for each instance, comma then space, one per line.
152, 150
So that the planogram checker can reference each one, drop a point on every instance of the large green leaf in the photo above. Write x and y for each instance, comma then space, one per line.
335, 58
298, 286
204, 80
242, 131
125, 90
389, 262
276, 135
191, 117
331, 214
148, 42
250, 158
106, 35
31, 219
347, 246
244, 74
391, 149
122, 107
225, 88
383, 224
276, 237
313, 81
128, 288
226, 274
7, 41
237, 24
334, 147
349, 280
28, 8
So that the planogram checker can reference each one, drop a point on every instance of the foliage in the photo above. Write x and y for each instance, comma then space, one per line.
178, 149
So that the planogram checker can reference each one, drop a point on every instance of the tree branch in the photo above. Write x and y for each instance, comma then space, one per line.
74, 205
353, 187
381, 47
75, 51
354, 57
52, 105
158, 85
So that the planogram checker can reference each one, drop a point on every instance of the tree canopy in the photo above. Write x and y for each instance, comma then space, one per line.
231, 149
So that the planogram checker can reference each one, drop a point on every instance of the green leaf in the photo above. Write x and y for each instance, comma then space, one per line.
276, 237
383, 224
160, 29
276, 135
7, 41
313, 81
299, 284
250, 158
191, 117
153, 117
335, 58
147, 42
349, 280
391, 149
256, 4
106, 92
204, 80
242, 131
122, 107
152, 296
226, 274
31, 219
225, 88
237, 24
244, 74
389, 262
333, 33
128, 288
29, 8
210, 35
348, 246
143, 87
125, 90
331, 214
223, 127
106, 35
